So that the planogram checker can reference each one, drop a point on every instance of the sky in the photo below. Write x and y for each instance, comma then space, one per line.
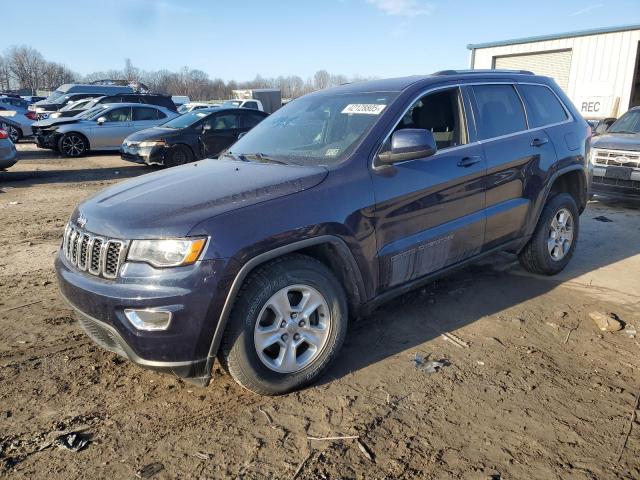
237, 39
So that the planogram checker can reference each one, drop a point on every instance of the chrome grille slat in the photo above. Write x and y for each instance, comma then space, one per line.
606, 157
97, 255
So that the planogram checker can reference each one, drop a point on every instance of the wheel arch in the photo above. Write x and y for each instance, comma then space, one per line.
328, 249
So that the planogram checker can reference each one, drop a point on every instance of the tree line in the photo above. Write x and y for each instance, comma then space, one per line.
23, 67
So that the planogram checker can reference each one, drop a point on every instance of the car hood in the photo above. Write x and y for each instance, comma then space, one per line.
169, 203
153, 133
618, 141
49, 122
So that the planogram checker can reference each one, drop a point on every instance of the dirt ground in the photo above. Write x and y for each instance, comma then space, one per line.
539, 393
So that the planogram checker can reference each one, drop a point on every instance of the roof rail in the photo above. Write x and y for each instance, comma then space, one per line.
493, 70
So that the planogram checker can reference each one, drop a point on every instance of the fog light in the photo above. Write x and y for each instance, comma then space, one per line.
149, 319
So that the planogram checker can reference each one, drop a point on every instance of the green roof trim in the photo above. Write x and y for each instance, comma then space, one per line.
555, 36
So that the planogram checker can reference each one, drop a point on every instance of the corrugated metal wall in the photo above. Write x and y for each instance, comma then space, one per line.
601, 72
556, 65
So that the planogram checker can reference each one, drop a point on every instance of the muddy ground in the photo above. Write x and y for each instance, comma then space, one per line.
538, 393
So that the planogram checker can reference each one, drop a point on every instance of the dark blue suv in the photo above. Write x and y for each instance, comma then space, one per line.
337, 202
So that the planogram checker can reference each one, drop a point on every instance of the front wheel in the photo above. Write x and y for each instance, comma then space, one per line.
554, 240
178, 155
72, 145
288, 323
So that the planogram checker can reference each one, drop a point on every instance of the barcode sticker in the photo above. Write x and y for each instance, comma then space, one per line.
364, 108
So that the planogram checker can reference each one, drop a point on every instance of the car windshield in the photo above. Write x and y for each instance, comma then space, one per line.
627, 123
318, 129
54, 96
185, 120
232, 103
92, 112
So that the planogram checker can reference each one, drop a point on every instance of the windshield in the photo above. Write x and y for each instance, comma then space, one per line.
54, 96
319, 129
232, 103
92, 112
627, 123
185, 120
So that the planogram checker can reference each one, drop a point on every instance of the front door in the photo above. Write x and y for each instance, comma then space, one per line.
430, 212
110, 134
222, 131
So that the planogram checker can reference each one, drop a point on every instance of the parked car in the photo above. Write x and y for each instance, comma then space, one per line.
191, 136
189, 107
144, 98
101, 129
13, 101
44, 110
17, 123
252, 104
8, 153
615, 156
180, 100
333, 204
598, 127
32, 98
72, 88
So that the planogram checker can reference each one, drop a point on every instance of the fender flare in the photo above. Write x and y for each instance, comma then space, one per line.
264, 257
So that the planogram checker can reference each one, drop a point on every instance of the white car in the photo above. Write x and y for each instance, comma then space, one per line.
248, 103
191, 106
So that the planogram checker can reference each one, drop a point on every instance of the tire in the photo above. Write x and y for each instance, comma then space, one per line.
73, 145
179, 155
254, 321
14, 133
540, 255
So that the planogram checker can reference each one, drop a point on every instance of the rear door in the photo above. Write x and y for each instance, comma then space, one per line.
225, 127
145, 117
513, 154
430, 212
115, 128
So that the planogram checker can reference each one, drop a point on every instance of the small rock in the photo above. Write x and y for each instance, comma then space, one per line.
13, 203
606, 321
45, 283
560, 314
602, 218
517, 322
555, 326
631, 331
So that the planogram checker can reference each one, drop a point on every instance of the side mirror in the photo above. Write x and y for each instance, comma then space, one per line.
409, 144
101, 120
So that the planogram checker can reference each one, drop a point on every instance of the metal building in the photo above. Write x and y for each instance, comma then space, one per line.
598, 69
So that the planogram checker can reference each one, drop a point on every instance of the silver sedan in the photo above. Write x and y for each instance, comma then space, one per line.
105, 129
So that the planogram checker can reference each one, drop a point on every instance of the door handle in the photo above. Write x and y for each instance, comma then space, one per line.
468, 161
538, 142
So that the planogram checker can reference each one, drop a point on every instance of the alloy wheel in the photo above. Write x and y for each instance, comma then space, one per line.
14, 135
292, 329
72, 145
560, 234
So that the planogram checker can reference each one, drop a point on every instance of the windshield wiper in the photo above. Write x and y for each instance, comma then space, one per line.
261, 157
231, 156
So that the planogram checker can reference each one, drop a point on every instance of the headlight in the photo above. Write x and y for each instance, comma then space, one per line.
159, 143
54, 115
167, 253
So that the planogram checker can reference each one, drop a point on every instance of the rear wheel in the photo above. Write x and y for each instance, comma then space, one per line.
554, 240
73, 145
179, 155
288, 323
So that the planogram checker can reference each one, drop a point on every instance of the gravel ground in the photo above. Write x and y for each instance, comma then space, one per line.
539, 392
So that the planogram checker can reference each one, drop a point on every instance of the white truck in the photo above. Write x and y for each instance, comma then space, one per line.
264, 99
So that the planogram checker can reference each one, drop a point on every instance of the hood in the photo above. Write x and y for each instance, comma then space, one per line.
154, 133
49, 122
171, 202
618, 141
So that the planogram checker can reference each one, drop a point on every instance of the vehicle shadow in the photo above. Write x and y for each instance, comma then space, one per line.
495, 284
21, 179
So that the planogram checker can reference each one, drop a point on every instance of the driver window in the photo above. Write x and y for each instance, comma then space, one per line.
440, 112
122, 114
225, 122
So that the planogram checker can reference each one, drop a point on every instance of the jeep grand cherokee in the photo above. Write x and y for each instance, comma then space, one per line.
338, 201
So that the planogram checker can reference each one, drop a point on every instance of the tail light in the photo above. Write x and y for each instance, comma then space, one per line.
3, 135
31, 115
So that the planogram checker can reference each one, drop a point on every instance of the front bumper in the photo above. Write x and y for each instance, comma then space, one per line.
46, 139
147, 156
192, 292
615, 187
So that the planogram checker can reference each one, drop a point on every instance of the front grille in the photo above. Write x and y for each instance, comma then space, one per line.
101, 335
96, 255
616, 158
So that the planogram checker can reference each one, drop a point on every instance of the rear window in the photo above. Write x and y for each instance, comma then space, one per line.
142, 114
543, 106
499, 112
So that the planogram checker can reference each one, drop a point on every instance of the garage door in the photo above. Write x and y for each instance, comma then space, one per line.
551, 64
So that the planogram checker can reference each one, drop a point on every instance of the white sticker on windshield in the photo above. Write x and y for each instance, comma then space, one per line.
364, 108
331, 152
